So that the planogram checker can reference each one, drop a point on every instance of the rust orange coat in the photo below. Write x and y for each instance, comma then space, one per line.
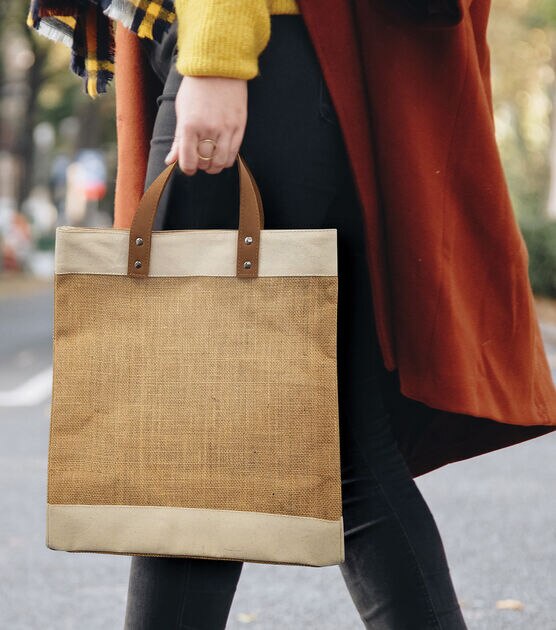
454, 310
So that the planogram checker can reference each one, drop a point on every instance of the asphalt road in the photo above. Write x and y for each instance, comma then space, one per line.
497, 515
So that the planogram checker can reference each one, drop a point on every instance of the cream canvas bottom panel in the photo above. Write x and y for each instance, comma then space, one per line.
174, 531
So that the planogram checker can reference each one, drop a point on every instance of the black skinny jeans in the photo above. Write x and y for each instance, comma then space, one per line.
395, 566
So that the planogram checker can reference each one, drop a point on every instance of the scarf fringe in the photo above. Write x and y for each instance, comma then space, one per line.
121, 11
52, 31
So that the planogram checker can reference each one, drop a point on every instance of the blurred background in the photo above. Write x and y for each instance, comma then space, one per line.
57, 167
58, 153
57, 146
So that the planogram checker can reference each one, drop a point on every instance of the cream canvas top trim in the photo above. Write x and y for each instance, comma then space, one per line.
311, 252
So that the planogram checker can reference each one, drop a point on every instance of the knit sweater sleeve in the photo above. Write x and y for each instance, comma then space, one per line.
221, 37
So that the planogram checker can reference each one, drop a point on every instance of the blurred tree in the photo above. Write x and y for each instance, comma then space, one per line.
38, 86
522, 39
23, 60
549, 12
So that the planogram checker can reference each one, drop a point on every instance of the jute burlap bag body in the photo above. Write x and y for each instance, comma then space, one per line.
194, 405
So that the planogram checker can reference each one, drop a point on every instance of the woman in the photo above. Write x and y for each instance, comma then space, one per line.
284, 124
395, 565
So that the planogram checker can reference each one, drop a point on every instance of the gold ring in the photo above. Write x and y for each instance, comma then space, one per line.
202, 157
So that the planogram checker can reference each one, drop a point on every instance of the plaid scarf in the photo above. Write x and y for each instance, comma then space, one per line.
86, 27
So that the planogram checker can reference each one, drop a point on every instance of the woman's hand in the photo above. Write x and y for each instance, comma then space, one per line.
208, 107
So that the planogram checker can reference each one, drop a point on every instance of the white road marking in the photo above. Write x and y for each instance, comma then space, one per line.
34, 391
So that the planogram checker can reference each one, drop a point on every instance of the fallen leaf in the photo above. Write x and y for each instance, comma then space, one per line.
509, 604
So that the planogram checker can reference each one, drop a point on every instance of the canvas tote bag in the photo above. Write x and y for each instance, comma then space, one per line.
194, 404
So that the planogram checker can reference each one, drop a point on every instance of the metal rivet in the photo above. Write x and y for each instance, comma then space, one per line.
247, 264
248, 240
138, 241
138, 264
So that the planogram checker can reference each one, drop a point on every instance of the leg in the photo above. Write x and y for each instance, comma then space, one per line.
395, 568
184, 593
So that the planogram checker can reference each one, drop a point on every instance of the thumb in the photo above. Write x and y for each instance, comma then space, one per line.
172, 155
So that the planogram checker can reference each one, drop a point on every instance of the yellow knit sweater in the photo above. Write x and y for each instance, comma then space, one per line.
225, 37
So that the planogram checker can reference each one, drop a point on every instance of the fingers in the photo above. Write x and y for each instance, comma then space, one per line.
189, 151
218, 154
224, 154
188, 139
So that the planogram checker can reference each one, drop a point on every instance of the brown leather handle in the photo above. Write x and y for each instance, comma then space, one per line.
251, 222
